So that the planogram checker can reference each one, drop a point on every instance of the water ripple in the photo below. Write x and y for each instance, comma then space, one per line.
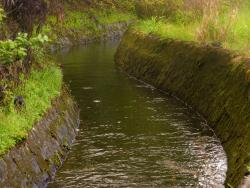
135, 136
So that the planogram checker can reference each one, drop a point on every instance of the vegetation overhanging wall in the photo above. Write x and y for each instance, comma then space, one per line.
34, 162
215, 81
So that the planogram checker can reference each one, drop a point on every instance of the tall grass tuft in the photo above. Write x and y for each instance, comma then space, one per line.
216, 25
223, 21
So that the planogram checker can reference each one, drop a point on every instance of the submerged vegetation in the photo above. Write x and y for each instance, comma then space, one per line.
222, 21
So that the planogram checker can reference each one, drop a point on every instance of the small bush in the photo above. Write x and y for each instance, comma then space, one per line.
16, 50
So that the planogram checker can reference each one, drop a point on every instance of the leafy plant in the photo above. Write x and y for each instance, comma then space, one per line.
37, 45
11, 51
16, 50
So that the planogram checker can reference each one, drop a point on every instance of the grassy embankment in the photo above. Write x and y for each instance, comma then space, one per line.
223, 22
38, 90
41, 86
212, 80
78, 20
26, 75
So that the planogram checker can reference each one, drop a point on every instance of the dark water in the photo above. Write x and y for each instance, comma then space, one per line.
132, 135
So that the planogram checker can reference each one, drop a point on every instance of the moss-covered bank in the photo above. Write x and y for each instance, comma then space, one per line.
31, 152
34, 162
38, 88
80, 22
213, 80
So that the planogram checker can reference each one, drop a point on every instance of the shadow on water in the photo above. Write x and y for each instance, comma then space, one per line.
132, 135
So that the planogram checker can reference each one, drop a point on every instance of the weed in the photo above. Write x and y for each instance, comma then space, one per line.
16, 50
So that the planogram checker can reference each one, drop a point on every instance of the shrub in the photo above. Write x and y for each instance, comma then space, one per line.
15, 50
27, 13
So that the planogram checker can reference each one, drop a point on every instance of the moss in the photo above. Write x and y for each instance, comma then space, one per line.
212, 80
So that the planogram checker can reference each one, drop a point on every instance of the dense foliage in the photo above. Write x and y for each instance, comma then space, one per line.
15, 50
36, 87
27, 13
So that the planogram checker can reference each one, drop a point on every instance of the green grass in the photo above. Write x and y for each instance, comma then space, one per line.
38, 91
236, 37
87, 23
112, 16
167, 29
239, 38
76, 20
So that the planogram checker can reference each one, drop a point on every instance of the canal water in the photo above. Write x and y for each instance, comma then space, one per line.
131, 134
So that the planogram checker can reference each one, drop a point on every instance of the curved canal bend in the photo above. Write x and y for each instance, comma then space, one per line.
132, 135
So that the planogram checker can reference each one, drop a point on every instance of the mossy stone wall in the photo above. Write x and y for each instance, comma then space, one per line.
214, 81
34, 162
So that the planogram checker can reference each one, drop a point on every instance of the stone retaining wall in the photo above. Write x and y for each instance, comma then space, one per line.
214, 81
33, 162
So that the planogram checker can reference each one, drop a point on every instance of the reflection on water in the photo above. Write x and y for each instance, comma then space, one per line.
131, 134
